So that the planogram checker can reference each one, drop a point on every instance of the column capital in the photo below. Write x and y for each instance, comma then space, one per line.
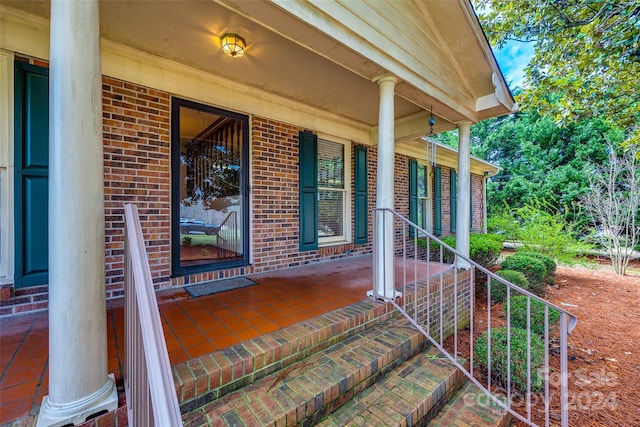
380, 80
464, 124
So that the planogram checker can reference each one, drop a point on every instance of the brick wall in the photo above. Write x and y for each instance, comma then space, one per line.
136, 122
137, 157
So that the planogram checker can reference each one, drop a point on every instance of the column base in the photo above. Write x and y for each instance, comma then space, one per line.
462, 264
397, 294
105, 399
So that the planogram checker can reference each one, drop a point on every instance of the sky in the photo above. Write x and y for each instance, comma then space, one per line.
513, 58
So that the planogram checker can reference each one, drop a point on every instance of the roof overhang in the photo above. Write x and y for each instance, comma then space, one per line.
324, 55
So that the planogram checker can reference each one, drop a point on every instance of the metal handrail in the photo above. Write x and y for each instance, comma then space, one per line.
408, 306
148, 380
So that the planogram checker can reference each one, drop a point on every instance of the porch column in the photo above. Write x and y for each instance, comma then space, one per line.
78, 382
384, 244
463, 223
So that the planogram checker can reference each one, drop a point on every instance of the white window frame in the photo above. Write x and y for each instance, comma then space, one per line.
346, 196
6, 168
427, 201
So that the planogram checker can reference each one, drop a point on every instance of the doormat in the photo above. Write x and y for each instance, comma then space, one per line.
217, 286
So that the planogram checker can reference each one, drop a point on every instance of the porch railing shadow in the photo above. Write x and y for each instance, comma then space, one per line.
443, 308
148, 380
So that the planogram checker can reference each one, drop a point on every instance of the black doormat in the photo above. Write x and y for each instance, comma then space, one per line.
209, 288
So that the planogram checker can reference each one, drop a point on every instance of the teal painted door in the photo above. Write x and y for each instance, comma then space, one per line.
32, 174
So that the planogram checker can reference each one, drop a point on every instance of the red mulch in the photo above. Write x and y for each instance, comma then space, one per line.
604, 349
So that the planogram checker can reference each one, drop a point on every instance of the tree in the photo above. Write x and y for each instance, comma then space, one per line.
541, 160
586, 58
613, 203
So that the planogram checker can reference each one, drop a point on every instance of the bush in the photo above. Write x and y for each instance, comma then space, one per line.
532, 268
519, 314
518, 357
483, 248
549, 263
499, 290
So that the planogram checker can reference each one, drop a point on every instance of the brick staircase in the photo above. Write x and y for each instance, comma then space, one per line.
362, 365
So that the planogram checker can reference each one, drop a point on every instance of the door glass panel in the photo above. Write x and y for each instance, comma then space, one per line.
210, 201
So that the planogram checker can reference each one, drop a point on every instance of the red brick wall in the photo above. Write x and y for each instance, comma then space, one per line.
136, 123
136, 126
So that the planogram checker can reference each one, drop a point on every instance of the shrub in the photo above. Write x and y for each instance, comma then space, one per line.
518, 349
483, 248
549, 263
186, 241
532, 268
519, 314
499, 290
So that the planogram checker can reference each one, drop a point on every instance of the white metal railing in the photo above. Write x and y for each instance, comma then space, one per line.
148, 380
228, 236
427, 302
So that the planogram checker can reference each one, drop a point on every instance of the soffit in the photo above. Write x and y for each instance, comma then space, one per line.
325, 55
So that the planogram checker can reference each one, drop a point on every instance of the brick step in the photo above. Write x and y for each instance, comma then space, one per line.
471, 407
209, 377
305, 392
412, 394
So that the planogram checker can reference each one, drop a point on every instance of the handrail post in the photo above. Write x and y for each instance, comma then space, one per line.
564, 371
149, 385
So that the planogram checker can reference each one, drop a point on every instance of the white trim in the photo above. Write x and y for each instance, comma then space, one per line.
7, 231
29, 35
346, 194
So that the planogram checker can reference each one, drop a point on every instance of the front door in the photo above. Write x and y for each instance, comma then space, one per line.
32, 171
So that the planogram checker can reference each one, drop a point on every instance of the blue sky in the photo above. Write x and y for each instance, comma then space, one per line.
513, 58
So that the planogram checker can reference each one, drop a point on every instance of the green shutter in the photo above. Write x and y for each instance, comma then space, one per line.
361, 196
308, 163
453, 189
31, 175
437, 199
413, 194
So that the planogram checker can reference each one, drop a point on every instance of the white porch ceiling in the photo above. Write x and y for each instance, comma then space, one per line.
305, 61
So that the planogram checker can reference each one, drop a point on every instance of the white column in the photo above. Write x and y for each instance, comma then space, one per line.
78, 382
463, 223
384, 242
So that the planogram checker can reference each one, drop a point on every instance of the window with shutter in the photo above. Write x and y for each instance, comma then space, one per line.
437, 200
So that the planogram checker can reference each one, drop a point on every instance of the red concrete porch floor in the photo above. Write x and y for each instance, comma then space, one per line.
192, 326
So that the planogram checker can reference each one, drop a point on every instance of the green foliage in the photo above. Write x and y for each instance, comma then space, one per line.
518, 353
186, 241
540, 160
533, 269
586, 56
539, 226
504, 223
549, 263
499, 290
483, 248
518, 305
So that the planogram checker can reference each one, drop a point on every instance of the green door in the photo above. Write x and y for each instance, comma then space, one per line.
32, 171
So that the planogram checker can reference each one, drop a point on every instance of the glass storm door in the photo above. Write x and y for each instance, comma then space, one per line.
210, 188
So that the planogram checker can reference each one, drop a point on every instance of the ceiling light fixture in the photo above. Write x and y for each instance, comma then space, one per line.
233, 45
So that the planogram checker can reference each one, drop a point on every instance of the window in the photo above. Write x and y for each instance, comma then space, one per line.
419, 195
422, 197
325, 192
332, 194
209, 181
